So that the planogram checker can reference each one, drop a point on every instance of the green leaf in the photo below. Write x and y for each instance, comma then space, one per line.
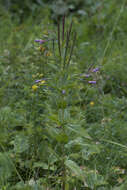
52, 131
20, 143
62, 138
115, 143
43, 166
75, 169
6, 167
79, 130
94, 180
86, 149
67, 186
121, 187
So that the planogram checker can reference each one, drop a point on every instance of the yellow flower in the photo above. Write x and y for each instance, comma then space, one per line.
41, 75
48, 54
45, 32
34, 87
41, 48
33, 76
42, 82
92, 103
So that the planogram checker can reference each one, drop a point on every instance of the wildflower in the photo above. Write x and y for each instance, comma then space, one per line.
33, 76
42, 82
40, 41
31, 182
34, 87
45, 32
41, 48
92, 103
118, 170
120, 180
95, 70
92, 82
63, 91
48, 54
41, 75
87, 75
38, 81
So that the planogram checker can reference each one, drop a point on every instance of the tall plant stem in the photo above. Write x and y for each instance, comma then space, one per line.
67, 43
63, 175
72, 48
59, 46
63, 27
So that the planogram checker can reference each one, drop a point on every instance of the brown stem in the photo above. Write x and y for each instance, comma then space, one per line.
72, 47
59, 38
63, 26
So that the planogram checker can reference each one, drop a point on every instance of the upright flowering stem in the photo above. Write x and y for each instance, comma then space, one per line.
64, 176
59, 47
95, 70
66, 47
63, 27
72, 47
53, 47
70, 28
67, 44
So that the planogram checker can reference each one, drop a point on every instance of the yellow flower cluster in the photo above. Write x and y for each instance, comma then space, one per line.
34, 87
41, 48
42, 82
39, 82
45, 32
37, 75
92, 103
48, 54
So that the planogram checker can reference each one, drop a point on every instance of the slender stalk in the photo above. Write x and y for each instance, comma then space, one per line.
72, 48
64, 176
90, 67
70, 28
66, 49
67, 43
63, 27
64, 153
53, 47
59, 47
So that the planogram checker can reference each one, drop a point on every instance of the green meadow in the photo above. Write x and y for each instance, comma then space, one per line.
63, 95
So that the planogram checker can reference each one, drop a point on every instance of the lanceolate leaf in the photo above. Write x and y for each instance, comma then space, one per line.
79, 130
74, 168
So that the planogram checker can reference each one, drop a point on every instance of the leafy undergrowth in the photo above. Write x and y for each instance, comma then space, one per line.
63, 121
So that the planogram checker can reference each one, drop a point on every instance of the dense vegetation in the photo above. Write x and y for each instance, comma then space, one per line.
63, 95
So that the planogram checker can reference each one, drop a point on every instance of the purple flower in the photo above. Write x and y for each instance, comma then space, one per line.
87, 75
63, 91
38, 81
95, 70
92, 82
41, 41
